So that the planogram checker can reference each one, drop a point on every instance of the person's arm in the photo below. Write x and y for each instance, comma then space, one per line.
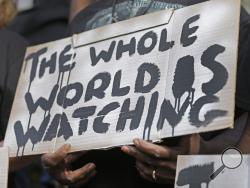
77, 6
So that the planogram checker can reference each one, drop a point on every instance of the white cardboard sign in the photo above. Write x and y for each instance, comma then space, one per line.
160, 75
4, 166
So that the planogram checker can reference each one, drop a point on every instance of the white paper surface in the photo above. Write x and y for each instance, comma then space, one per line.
4, 167
105, 87
212, 34
195, 170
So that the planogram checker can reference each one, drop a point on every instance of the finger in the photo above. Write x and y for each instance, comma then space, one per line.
162, 175
165, 176
155, 150
164, 152
80, 174
74, 156
146, 169
169, 165
91, 175
53, 159
143, 175
132, 151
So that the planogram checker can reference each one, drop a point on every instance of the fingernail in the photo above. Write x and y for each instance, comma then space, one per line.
91, 166
137, 142
67, 147
125, 149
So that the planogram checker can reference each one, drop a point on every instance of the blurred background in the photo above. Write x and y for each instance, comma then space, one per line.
246, 4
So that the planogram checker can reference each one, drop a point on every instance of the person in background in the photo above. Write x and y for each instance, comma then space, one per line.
12, 51
77, 6
41, 21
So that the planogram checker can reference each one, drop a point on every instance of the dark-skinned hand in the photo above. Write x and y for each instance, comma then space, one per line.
157, 163
58, 165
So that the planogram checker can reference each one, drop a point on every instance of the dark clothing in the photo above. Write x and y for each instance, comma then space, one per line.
100, 13
46, 22
114, 168
243, 74
12, 51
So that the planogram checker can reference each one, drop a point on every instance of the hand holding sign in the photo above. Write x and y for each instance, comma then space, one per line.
58, 165
157, 163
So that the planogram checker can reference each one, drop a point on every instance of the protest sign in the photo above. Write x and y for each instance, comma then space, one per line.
4, 166
196, 171
160, 75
